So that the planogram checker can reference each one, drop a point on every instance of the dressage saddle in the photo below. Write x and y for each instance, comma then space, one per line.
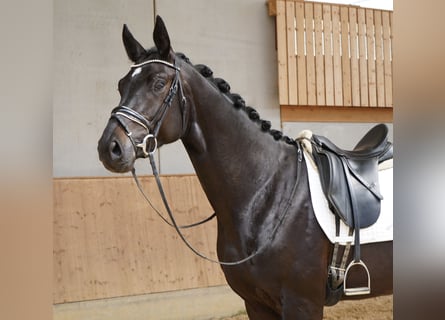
349, 179
350, 182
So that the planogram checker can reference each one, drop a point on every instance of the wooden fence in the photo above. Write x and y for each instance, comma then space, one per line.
333, 55
108, 242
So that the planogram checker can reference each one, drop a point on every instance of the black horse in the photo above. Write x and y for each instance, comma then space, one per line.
254, 177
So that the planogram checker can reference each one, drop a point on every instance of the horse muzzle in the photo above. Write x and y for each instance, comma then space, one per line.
116, 152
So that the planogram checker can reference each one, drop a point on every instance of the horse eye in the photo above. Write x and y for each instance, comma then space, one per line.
159, 84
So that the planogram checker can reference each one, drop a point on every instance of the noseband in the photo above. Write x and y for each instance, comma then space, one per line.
149, 143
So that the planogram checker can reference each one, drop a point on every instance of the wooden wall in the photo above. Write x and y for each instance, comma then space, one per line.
333, 56
108, 242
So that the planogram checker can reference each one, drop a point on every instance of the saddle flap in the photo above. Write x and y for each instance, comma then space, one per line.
349, 184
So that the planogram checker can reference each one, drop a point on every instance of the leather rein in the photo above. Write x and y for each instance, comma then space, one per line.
149, 146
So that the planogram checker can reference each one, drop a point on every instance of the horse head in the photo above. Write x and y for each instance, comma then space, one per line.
152, 108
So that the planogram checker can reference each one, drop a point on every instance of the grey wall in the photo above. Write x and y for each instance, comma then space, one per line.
89, 60
235, 38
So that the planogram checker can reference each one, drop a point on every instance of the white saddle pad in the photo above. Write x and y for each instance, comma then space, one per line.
380, 231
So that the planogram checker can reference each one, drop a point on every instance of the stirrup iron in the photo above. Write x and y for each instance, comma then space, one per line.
359, 290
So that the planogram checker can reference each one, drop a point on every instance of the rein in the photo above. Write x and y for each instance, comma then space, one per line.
178, 231
150, 141
138, 184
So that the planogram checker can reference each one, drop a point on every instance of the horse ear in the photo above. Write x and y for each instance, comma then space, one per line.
161, 39
134, 49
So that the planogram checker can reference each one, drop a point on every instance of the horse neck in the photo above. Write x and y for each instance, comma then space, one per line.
237, 164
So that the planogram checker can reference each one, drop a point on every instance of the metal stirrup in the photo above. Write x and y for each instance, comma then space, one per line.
359, 290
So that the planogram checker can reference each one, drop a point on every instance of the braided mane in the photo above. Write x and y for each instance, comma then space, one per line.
237, 100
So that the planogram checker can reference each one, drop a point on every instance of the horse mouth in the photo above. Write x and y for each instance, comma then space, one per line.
117, 166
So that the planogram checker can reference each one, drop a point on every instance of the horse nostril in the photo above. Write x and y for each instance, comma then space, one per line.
115, 150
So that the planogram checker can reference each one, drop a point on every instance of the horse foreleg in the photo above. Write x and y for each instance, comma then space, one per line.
258, 311
301, 309
302, 314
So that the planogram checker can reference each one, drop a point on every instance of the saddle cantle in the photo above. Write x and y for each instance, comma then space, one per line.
349, 179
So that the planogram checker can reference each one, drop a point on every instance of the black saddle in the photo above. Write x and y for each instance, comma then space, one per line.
349, 178
350, 182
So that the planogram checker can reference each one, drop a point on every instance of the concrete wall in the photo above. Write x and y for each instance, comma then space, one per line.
235, 38
89, 59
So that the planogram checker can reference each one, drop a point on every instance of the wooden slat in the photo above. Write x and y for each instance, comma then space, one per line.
363, 64
310, 53
108, 242
343, 54
328, 55
319, 55
380, 77
272, 7
283, 91
355, 74
301, 58
372, 85
291, 53
338, 87
346, 61
335, 114
387, 58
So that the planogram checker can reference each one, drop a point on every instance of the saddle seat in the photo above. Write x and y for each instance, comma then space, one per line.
349, 178
373, 143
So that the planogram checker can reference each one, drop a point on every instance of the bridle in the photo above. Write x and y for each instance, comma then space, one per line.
150, 140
